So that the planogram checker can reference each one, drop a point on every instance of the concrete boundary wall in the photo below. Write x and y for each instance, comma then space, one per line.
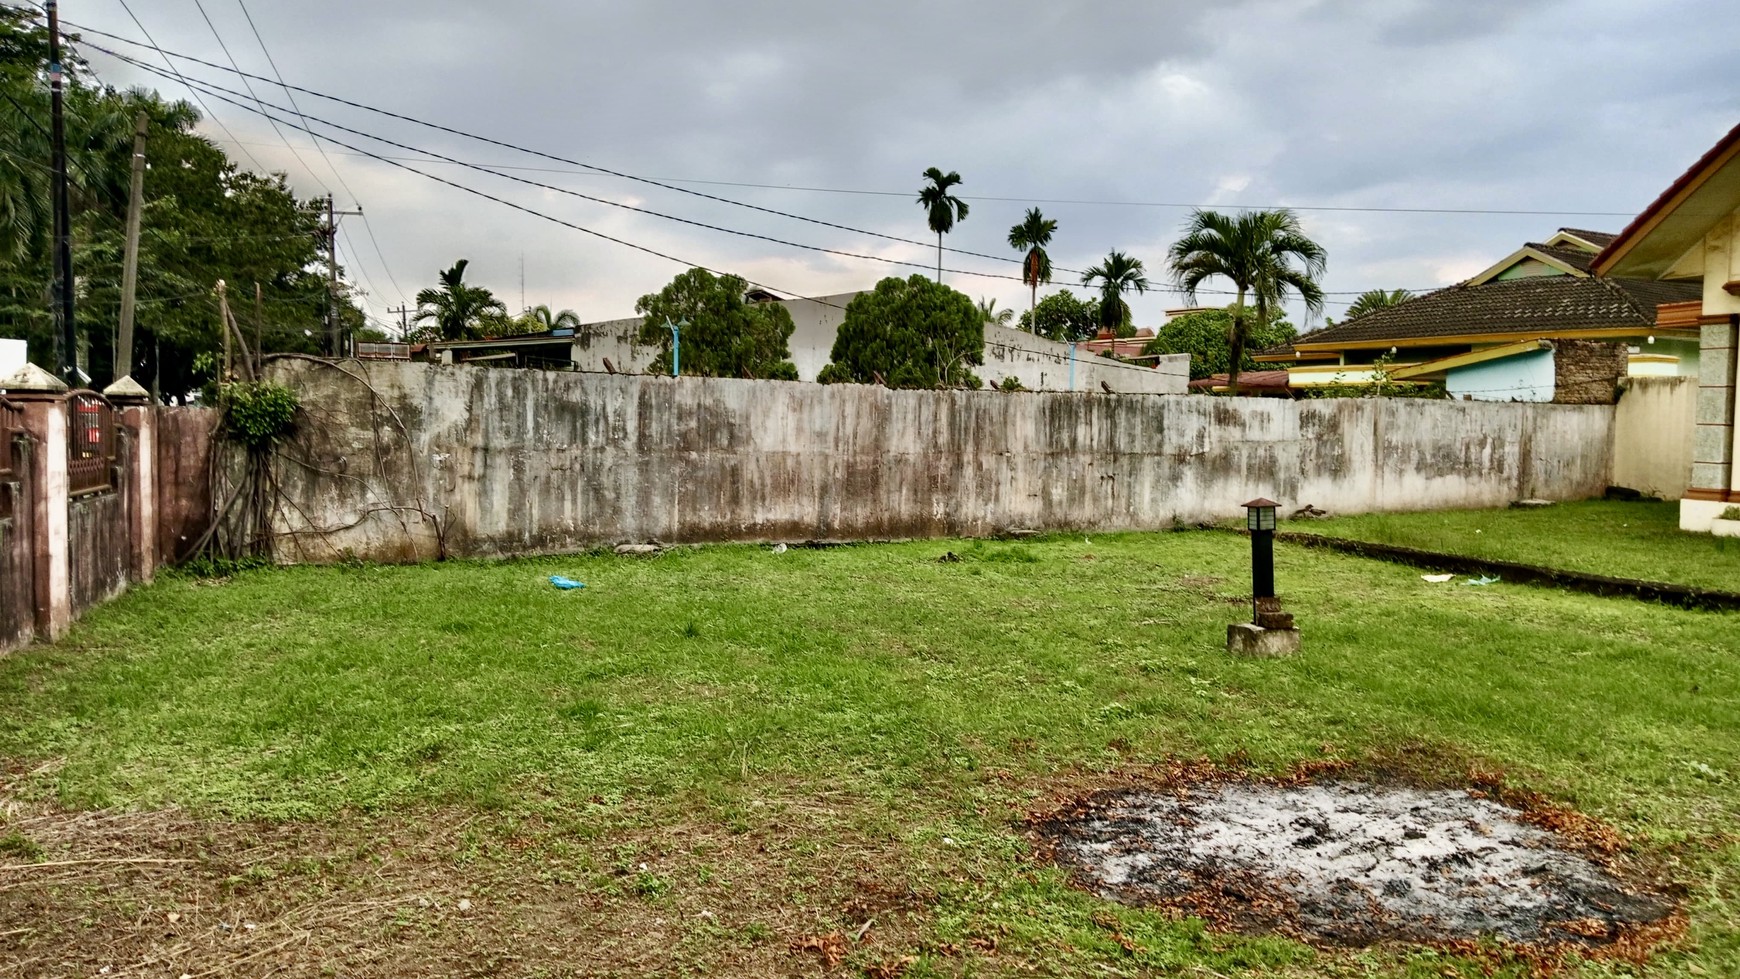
399, 461
1652, 435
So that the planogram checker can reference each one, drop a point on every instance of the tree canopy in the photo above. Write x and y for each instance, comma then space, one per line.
1063, 316
1372, 300
203, 220
722, 334
1205, 334
941, 208
460, 311
912, 333
1118, 274
1031, 236
1264, 254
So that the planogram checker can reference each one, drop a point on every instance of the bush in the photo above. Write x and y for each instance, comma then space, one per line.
1732, 513
258, 414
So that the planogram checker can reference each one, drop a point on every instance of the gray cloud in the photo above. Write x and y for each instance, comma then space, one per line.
1590, 105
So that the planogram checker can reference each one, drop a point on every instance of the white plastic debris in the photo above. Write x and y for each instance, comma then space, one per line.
1436, 579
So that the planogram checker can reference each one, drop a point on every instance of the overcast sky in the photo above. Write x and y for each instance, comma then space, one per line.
1112, 117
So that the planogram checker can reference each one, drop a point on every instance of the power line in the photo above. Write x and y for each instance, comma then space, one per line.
213, 90
249, 86
559, 159
667, 182
520, 207
291, 96
177, 73
378, 253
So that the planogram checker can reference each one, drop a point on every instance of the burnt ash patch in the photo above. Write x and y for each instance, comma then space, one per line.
1356, 862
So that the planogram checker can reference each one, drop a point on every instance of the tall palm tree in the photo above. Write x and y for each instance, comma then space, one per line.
942, 208
1372, 300
1118, 274
988, 309
1033, 234
457, 308
1256, 251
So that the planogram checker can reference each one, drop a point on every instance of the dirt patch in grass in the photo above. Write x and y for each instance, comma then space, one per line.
442, 892
1336, 856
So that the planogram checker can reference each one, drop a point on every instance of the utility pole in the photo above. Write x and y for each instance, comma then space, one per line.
130, 268
336, 347
404, 320
66, 337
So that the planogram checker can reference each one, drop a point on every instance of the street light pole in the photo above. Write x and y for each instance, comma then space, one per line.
66, 338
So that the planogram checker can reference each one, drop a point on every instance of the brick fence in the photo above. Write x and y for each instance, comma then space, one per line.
79, 491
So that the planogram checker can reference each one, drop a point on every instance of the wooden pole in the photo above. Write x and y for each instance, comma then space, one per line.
130, 267
224, 325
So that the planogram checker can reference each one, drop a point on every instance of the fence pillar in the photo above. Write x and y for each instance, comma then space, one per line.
138, 473
43, 398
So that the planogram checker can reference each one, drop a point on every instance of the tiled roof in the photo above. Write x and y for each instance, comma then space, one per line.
1548, 304
1600, 239
1576, 258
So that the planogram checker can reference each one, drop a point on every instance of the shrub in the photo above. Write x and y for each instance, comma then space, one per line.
258, 414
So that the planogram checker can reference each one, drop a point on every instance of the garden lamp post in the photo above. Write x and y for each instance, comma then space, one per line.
1260, 521
1270, 631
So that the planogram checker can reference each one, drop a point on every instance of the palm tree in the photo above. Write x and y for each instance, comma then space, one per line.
1372, 300
1118, 274
457, 308
1256, 252
1033, 234
988, 309
541, 318
942, 208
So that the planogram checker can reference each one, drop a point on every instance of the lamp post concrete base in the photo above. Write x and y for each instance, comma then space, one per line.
1250, 639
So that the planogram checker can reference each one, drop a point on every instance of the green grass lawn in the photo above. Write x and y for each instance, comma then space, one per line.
874, 707
1627, 540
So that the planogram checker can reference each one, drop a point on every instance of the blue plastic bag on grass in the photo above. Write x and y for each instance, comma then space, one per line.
566, 584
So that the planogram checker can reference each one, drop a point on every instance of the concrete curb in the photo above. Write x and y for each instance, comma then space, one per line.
1681, 596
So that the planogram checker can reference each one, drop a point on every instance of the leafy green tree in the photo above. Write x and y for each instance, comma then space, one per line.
203, 220
942, 209
722, 334
1001, 317
1118, 274
1372, 300
458, 311
1031, 236
1256, 251
1206, 336
910, 333
1061, 316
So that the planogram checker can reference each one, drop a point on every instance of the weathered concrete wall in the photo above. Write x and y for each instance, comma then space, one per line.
1652, 435
471, 461
183, 478
98, 548
1047, 365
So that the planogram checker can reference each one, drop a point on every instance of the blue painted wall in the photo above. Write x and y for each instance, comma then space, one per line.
1525, 377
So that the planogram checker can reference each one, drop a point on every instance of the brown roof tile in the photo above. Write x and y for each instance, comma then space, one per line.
1548, 304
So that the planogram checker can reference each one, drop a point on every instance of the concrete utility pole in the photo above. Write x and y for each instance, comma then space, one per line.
130, 268
332, 320
66, 338
404, 320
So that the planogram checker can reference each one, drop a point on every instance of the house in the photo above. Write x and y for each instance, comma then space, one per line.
1690, 237
1538, 325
